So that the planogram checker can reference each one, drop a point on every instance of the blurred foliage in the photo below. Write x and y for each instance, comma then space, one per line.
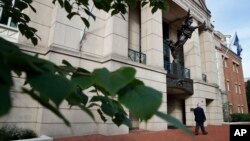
50, 84
240, 117
11, 132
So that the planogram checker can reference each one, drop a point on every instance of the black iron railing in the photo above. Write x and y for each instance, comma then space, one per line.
137, 56
177, 70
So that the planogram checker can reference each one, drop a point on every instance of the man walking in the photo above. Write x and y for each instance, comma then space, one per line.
200, 118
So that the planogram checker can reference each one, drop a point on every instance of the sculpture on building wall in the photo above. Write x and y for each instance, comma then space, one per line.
186, 32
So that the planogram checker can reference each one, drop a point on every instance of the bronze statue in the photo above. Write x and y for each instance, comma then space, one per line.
186, 32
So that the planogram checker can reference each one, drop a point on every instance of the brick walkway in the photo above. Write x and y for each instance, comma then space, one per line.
215, 133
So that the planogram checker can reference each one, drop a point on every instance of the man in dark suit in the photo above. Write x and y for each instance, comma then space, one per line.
200, 118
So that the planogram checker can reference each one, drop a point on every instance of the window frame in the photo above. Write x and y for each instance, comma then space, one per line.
236, 88
9, 18
239, 109
228, 86
242, 109
239, 86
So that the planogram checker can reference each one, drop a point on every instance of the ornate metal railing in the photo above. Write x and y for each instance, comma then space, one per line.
137, 56
180, 71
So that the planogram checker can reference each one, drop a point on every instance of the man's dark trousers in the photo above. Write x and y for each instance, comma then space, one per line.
201, 125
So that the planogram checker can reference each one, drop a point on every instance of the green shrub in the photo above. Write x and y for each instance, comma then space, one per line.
11, 132
240, 117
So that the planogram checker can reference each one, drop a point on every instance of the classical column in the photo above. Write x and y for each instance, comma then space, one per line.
151, 36
152, 46
192, 55
116, 37
208, 59
192, 58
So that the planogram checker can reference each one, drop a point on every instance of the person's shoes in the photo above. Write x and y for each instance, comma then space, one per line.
205, 133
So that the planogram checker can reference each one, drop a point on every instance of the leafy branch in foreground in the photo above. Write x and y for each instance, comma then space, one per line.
79, 8
50, 84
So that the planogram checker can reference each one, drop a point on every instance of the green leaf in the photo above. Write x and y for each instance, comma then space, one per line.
54, 1
99, 98
82, 78
108, 109
144, 3
67, 6
89, 13
54, 86
27, 18
5, 101
121, 119
82, 81
34, 41
86, 22
77, 98
32, 8
22, 28
21, 5
73, 100
65, 62
28, 1
47, 105
101, 115
5, 85
114, 12
112, 82
175, 122
154, 9
70, 15
61, 3
135, 97
83, 97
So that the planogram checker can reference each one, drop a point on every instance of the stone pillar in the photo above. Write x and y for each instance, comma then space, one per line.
116, 37
208, 57
192, 58
152, 46
192, 55
151, 36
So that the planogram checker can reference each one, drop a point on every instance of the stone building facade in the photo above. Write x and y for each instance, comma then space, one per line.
139, 41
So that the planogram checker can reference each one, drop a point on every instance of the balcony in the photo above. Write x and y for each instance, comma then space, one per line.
136, 56
178, 80
9, 33
174, 69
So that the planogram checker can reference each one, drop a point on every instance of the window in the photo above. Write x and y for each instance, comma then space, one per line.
236, 88
225, 63
230, 108
6, 20
242, 109
228, 86
239, 90
204, 77
239, 109
237, 70
234, 67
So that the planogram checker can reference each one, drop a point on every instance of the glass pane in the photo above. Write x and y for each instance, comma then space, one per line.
3, 17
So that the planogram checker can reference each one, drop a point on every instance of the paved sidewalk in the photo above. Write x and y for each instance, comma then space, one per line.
215, 133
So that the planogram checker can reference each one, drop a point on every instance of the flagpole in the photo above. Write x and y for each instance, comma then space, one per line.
224, 55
